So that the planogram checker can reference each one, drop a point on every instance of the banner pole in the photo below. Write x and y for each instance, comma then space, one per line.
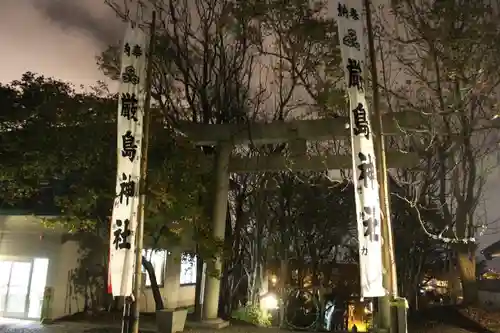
389, 262
135, 311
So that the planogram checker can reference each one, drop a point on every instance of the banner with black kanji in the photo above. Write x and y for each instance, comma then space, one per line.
349, 16
132, 93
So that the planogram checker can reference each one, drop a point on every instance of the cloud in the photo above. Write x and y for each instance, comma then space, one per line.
82, 16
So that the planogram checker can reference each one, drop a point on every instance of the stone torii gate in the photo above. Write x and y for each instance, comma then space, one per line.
295, 133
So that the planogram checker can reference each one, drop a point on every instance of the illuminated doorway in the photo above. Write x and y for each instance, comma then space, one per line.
22, 283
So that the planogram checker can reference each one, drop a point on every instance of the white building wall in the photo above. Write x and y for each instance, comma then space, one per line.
23, 236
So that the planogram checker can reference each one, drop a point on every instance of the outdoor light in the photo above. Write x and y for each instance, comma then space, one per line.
269, 301
274, 280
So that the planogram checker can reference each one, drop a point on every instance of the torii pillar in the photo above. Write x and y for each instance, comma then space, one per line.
221, 191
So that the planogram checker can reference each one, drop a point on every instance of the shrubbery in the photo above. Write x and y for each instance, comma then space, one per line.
253, 314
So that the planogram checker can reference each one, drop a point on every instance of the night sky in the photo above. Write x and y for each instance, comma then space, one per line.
61, 38
57, 38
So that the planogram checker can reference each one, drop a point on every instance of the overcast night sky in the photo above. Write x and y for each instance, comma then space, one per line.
57, 38
61, 38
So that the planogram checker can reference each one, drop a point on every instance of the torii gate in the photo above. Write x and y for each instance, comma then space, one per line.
296, 133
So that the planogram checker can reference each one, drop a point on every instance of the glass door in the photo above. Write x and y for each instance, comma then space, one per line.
18, 286
37, 287
5, 268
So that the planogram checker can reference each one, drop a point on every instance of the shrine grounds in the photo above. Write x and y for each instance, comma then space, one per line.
440, 319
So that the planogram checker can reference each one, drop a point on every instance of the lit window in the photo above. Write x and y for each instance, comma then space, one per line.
188, 269
158, 260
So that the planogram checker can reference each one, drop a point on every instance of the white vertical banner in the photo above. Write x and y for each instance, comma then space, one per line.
350, 28
132, 93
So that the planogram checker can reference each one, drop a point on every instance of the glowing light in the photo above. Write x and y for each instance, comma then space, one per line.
269, 302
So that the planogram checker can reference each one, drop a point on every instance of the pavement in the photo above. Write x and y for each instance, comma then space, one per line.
20, 326
25, 326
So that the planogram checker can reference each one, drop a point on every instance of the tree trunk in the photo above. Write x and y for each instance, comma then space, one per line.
154, 284
454, 284
466, 262
228, 263
198, 306
411, 294
86, 287
283, 284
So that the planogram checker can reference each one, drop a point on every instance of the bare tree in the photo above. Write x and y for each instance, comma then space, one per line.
231, 61
440, 60
203, 63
